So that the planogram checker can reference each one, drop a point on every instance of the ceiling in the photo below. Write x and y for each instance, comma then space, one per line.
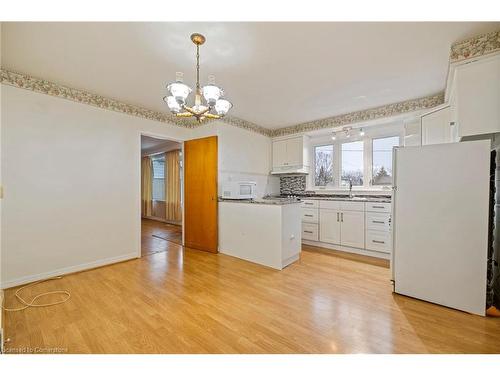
276, 74
152, 145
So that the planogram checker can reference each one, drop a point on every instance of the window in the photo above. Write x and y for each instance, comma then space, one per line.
352, 163
382, 160
158, 177
323, 165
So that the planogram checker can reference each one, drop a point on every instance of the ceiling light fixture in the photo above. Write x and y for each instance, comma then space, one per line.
214, 105
347, 131
334, 136
361, 132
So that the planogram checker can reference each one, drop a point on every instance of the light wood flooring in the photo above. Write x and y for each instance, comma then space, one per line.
189, 301
157, 236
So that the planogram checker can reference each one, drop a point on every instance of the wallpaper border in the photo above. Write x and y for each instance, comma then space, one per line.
28, 82
475, 47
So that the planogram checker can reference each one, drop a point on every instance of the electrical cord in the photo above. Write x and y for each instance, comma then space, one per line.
32, 302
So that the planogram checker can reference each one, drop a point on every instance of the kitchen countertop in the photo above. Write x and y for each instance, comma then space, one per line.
281, 200
278, 201
373, 198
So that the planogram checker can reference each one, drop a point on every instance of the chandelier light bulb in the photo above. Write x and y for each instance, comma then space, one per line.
361, 132
222, 107
172, 104
334, 136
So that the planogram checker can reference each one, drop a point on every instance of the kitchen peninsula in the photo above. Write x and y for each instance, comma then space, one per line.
263, 231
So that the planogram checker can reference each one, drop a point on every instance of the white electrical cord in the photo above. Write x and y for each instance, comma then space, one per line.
31, 303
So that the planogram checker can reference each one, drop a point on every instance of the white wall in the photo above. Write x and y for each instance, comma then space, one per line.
71, 174
71, 177
243, 156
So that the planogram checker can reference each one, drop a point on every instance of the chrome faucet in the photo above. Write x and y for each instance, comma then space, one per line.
350, 188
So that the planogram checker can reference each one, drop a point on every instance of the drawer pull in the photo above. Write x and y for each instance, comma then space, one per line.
378, 207
378, 222
308, 215
309, 203
376, 241
308, 231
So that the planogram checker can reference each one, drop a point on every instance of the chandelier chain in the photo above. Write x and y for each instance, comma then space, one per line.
197, 67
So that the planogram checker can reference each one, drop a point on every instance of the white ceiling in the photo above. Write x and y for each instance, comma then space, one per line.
152, 145
276, 74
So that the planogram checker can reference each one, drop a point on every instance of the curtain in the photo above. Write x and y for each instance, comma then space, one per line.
146, 186
173, 186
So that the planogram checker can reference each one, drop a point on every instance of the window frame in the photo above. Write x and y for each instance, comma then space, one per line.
313, 174
372, 181
354, 140
153, 158
396, 130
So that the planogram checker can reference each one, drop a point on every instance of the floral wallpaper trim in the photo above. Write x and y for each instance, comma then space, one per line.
474, 47
28, 82
364, 115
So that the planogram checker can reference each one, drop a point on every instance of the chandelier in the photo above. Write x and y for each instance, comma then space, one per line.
208, 100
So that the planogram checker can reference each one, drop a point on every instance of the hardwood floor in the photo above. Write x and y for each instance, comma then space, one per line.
189, 301
157, 236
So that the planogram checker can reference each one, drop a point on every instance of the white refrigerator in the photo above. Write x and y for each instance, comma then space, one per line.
440, 223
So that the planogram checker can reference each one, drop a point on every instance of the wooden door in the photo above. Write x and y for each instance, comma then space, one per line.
353, 228
329, 226
200, 194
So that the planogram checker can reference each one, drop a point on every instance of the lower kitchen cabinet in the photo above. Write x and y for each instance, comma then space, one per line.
329, 226
352, 228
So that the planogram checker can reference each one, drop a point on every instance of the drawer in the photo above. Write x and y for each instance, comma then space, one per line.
380, 221
310, 215
378, 241
352, 206
377, 207
330, 205
310, 232
309, 204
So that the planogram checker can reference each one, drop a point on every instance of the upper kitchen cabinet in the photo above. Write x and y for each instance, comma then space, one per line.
436, 127
291, 155
475, 98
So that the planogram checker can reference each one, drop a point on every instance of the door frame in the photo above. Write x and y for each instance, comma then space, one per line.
139, 183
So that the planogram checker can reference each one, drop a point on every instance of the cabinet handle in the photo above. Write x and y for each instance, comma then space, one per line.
376, 241
309, 203
337, 217
377, 206
342, 217
378, 222
308, 231
309, 215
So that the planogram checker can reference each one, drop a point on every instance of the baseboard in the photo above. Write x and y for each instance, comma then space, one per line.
66, 270
354, 250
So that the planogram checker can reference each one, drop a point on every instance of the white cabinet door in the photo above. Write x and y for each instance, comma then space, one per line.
295, 151
353, 228
436, 127
329, 226
279, 153
478, 97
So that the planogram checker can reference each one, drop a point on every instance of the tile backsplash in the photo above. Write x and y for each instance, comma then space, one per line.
292, 184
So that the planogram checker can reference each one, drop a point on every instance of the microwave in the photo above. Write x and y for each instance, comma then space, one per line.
239, 190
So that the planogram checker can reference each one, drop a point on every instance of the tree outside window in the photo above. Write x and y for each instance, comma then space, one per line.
323, 160
352, 163
382, 160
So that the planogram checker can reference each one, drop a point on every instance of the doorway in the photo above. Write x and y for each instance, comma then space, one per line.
161, 195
